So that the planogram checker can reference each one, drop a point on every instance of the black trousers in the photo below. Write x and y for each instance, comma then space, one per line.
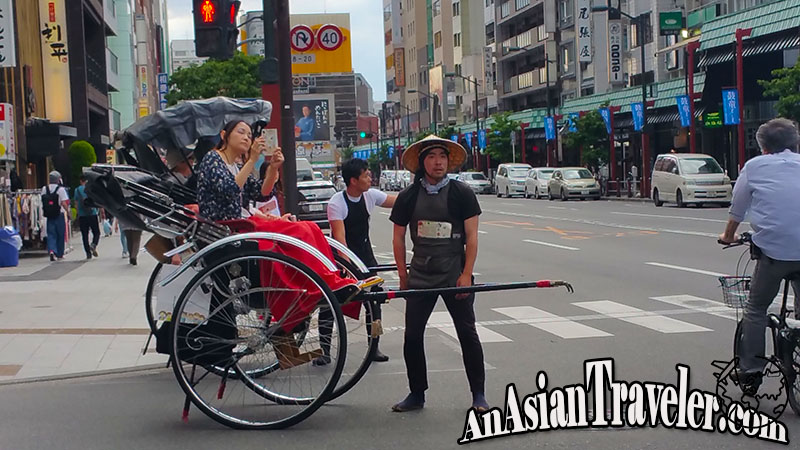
418, 311
89, 223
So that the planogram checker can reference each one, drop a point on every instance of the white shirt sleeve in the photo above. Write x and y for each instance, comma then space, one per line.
62, 194
376, 198
337, 209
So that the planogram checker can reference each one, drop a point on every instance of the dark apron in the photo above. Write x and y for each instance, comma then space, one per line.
356, 230
438, 261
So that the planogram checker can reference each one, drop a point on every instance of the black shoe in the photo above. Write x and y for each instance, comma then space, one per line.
88, 256
380, 357
323, 360
132, 261
410, 403
94, 251
52, 256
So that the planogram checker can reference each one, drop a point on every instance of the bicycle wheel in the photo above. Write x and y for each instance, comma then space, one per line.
361, 343
150, 294
251, 311
791, 366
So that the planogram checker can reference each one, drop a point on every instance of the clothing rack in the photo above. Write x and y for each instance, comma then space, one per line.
27, 217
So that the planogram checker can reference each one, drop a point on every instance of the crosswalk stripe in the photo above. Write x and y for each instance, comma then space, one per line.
443, 321
640, 317
699, 304
551, 323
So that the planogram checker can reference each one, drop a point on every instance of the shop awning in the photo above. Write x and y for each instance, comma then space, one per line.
43, 138
752, 48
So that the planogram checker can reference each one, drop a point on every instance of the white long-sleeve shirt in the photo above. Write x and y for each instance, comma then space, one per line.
769, 188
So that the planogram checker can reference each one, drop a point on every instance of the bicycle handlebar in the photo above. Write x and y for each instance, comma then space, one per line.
744, 238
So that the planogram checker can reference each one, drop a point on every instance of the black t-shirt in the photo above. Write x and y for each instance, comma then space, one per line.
461, 200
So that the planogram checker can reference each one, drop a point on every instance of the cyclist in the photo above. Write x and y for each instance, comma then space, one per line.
769, 188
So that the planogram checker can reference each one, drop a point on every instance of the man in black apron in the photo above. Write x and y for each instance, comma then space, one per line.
443, 218
349, 212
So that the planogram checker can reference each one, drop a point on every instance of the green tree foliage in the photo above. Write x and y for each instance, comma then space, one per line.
499, 146
592, 136
785, 85
447, 132
236, 78
81, 154
380, 160
347, 153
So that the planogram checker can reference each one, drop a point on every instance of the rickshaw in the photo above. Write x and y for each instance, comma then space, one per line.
250, 321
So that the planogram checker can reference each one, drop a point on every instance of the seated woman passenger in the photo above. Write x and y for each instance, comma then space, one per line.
225, 191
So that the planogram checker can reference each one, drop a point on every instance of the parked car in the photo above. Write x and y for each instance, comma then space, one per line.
477, 181
387, 180
510, 179
313, 201
404, 179
304, 170
573, 182
318, 176
686, 178
536, 182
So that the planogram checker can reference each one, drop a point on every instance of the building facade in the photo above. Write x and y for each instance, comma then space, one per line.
182, 54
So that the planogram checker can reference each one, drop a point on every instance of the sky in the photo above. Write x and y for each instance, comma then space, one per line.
366, 23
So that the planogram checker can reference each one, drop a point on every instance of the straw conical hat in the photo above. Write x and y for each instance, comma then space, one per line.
456, 153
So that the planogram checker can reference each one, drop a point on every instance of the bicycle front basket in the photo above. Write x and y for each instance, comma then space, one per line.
735, 290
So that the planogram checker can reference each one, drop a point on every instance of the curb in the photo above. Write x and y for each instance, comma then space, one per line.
69, 376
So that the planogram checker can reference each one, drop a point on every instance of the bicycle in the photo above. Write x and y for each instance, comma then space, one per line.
784, 329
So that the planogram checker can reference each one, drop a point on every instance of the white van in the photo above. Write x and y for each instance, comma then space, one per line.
686, 178
304, 170
510, 179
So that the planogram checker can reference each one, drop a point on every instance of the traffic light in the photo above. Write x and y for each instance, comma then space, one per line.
215, 30
365, 134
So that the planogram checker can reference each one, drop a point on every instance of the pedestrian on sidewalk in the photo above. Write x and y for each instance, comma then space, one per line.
442, 215
87, 218
55, 202
131, 238
349, 212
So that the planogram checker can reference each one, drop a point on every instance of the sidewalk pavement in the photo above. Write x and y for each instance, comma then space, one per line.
75, 316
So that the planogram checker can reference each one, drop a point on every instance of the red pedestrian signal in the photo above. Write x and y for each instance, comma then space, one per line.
208, 11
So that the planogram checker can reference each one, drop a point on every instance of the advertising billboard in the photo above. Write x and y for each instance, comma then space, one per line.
312, 118
321, 43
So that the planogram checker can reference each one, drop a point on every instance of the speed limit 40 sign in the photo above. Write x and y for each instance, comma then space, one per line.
329, 37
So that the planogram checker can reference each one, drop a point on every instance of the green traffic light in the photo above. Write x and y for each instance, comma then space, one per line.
362, 135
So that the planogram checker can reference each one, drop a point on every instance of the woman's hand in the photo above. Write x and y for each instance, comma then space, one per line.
259, 145
277, 159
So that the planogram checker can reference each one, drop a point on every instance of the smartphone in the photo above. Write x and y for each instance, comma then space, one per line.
271, 138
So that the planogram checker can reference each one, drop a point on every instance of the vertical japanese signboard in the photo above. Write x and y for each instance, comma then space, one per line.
162, 90
615, 75
684, 110
8, 52
730, 106
637, 111
399, 67
8, 149
605, 113
55, 63
583, 25
549, 128
488, 73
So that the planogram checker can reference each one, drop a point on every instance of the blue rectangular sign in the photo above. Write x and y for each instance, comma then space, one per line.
730, 106
637, 110
468, 137
549, 128
605, 113
454, 138
683, 110
482, 139
391, 151
573, 120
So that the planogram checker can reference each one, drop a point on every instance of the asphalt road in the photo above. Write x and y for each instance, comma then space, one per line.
646, 294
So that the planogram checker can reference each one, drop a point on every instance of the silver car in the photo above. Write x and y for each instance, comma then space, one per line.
573, 182
476, 181
536, 182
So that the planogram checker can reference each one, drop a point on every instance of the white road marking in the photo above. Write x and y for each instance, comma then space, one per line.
444, 322
564, 247
556, 207
482, 232
604, 224
640, 317
686, 269
699, 219
561, 327
699, 304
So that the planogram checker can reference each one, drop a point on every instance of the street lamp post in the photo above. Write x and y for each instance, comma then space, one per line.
639, 21
434, 99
